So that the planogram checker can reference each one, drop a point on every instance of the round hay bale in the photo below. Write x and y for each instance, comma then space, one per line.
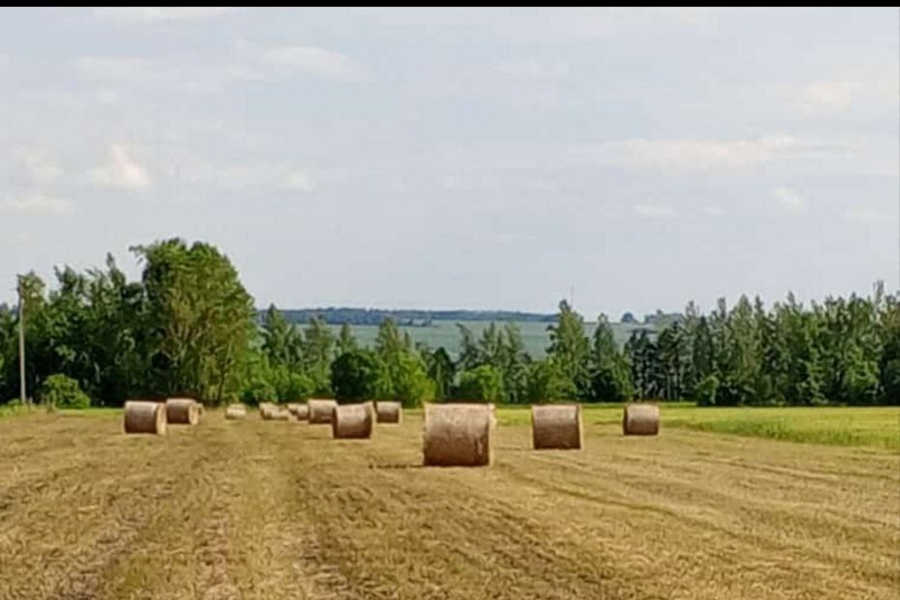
641, 419
145, 417
458, 435
182, 411
389, 412
320, 411
273, 412
353, 421
300, 412
236, 411
556, 427
280, 414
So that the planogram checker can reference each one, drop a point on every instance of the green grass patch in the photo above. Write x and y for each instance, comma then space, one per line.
877, 427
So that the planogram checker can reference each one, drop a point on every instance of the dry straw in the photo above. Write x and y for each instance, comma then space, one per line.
458, 434
640, 419
182, 411
321, 411
236, 411
300, 411
353, 421
273, 412
389, 412
557, 427
145, 417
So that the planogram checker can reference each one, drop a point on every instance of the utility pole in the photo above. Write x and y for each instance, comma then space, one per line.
21, 343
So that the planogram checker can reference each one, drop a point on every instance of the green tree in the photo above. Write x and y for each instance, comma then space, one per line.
346, 342
610, 375
547, 382
481, 384
441, 371
355, 375
201, 318
571, 349
61, 391
318, 345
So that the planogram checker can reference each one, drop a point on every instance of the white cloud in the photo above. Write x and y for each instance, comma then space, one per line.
41, 169
826, 96
790, 199
686, 155
470, 183
533, 70
120, 172
186, 73
309, 59
713, 211
155, 14
575, 25
116, 69
37, 204
654, 211
861, 87
299, 181
869, 215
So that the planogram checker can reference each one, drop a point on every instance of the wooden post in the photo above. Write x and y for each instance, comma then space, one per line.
22, 390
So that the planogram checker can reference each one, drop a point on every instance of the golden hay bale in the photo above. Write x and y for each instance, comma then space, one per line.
182, 411
458, 434
320, 411
640, 419
389, 412
145, 417
352, 421
273, 412
300, 411
236, 411
556, 427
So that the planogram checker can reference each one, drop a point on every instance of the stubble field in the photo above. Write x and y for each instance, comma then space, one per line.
268, 510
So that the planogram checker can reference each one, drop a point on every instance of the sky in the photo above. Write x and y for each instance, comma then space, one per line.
461, 158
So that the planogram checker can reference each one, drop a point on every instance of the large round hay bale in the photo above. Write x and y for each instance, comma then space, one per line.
556, 427
320, 411
145, 417
389, 412
640, 419
458, 435
353, 421
182, 411
236, 411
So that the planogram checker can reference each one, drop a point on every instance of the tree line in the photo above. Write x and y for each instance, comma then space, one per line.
189, 327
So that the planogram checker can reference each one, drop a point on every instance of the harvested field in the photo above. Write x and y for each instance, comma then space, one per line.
269, 510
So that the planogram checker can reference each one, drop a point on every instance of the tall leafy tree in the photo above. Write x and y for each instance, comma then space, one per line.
571, 349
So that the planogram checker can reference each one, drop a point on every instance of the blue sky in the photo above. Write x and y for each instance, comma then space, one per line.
461, 158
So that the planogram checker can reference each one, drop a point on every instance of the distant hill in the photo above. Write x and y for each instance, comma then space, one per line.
409, 318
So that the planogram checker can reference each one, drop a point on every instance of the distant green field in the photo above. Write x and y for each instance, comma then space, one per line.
446, 334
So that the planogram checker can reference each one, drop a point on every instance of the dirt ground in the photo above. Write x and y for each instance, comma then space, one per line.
269, 510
